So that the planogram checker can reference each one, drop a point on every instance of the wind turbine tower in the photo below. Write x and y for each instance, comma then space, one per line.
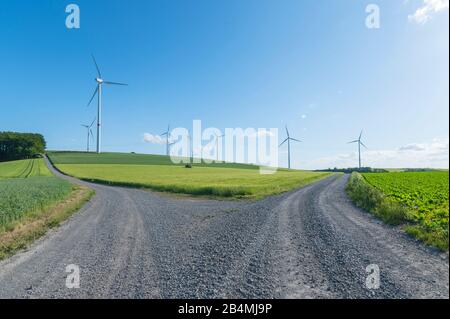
167, 134
89, 134
359, 141
288, 140
98, 91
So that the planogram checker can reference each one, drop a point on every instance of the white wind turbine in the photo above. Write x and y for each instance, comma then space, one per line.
359, 141
168, 136
89, 134
98, 92
289, 139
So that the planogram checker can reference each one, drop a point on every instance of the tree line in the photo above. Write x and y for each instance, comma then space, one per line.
15, 146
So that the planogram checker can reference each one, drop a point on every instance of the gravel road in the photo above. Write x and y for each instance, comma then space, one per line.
309, 243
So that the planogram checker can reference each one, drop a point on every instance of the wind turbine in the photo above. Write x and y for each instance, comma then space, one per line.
167, 134
359, 146
98, 92
89, 133
289, 139
217, 144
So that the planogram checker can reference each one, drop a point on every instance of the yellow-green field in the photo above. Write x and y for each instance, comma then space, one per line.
217, 181
23, 169
223, 182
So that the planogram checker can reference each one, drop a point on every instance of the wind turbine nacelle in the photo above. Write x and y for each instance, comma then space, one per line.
98, 80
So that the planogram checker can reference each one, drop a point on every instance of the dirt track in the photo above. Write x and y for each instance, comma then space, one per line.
310, 243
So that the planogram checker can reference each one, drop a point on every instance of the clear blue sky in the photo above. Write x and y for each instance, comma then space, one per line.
233, 63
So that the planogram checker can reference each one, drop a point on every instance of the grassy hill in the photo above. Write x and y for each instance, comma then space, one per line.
129, 159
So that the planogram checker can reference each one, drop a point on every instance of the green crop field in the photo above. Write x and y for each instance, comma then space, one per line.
26, 187
219, 180
424, 194
21, 197
23, 169
32, 200
129, 159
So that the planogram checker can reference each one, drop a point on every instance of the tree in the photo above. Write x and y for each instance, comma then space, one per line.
14, 146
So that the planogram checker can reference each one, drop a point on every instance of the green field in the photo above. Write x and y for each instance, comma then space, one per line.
129, 159
23, 169
23, 197
158, 173
419, 198
424, 193
32, 200
26, 187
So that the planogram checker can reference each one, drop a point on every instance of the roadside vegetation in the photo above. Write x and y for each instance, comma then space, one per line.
219, 180
416, 200
32, 201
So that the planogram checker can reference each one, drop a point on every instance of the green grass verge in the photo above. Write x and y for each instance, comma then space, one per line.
432, 229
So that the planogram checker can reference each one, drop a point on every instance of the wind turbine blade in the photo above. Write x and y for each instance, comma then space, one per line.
92, 123
287, 131
294, 139
92, 134
355, 141
360, 135
96, 65
283, 142
93, 95
363, 144
115, 83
